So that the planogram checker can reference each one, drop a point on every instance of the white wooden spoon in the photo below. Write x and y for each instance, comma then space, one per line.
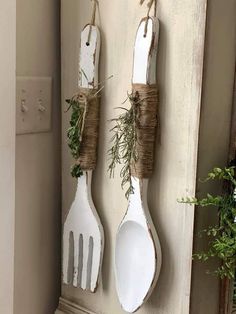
83, 236
138, 252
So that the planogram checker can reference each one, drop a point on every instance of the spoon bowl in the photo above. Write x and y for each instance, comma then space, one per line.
138, 251
133, 242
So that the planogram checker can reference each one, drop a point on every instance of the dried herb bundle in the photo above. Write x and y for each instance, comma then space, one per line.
124, 139
78, 104
74, 133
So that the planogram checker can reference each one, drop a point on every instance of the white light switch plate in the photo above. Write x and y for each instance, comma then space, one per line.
33, 104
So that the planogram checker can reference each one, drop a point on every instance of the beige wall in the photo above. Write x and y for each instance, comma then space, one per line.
180, 77
37, 234
7, 152
220, 57
37, 248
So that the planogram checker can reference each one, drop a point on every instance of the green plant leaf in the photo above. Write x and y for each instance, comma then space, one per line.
221, 238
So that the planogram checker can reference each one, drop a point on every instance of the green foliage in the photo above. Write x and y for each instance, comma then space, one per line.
222, 174
123, 150
74, 133
222, 237
77, 124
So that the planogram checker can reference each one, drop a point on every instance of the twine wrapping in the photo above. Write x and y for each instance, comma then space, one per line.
89, 139
146, 124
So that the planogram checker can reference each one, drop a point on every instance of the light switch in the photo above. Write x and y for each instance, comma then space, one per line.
33, 104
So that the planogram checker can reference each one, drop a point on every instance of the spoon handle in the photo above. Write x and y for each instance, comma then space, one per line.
89, 57
145, 88
145, 52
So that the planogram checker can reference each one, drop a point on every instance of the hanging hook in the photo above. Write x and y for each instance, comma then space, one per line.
149, 5
93, 18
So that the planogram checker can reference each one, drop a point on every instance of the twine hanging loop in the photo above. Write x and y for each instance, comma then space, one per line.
95, 4
93, 19
149, 5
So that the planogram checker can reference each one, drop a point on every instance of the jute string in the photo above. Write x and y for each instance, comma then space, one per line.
149, 5
92, 22
146, 124
90, 126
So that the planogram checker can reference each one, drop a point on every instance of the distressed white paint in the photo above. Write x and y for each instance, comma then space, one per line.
138, 252
89, 57
145, 53
82, 222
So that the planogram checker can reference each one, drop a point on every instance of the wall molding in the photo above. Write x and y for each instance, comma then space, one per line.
68, 307
7, 153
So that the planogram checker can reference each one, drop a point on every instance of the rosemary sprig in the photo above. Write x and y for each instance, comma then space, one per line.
124, 139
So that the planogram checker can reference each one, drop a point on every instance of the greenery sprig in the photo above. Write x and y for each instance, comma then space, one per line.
222, 237
124, 139
77, 121
74, 133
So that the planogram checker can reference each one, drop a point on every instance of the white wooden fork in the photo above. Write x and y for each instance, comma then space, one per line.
83, 236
